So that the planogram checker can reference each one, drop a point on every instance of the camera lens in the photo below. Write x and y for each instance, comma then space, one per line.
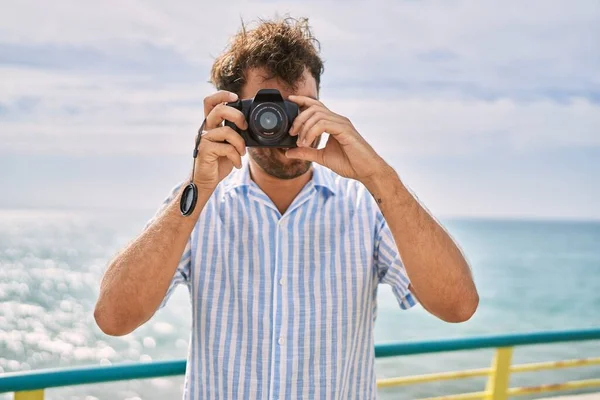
268, 120
268, 123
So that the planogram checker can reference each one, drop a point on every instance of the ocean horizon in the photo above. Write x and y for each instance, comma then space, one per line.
532, 274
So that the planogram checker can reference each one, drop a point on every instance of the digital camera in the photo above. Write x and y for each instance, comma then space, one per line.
269, 118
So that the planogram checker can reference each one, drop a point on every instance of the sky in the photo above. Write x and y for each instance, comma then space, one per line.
485, 109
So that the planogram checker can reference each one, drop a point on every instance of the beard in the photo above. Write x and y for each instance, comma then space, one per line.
273, 161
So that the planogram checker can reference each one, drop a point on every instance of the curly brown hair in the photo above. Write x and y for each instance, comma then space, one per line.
284, 48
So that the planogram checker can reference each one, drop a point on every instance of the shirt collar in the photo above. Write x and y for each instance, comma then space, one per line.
321, 178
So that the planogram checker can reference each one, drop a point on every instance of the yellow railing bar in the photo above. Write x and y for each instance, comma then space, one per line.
443, 376
409, 380
31, 395
555, 365
554, 387
522, 391
497, 384
463, 396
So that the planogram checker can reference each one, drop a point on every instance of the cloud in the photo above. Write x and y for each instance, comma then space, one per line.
146, 60
441, 77
496, 48
119, 115
450, 126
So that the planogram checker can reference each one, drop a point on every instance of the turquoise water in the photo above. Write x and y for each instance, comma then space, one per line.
531, 275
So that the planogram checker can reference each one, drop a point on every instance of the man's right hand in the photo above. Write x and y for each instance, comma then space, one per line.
221, 147
138, 277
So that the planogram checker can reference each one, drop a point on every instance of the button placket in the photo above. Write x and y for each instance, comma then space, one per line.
286, 223
278, 310
282, 290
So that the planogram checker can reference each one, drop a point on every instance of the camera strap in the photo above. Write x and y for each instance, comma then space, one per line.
189, 197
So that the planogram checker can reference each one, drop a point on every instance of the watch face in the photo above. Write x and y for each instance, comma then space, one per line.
188, 199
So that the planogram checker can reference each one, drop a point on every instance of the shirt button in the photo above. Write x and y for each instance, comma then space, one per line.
280, 341
281, 282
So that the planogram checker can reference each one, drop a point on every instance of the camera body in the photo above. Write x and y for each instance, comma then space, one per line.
269, 118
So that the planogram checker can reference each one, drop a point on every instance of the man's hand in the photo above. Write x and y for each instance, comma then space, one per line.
220, 147
434, 263
138, 277
348, 154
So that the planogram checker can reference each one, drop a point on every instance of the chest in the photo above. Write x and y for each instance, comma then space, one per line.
248, 251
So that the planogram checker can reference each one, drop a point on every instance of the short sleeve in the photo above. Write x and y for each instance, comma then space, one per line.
182, 273
389, 265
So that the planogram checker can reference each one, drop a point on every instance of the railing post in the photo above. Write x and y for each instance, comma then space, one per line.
30, 395
497, 384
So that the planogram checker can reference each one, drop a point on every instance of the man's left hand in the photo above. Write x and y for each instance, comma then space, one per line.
348, 154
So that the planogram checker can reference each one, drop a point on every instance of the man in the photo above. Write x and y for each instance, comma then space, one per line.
282, 256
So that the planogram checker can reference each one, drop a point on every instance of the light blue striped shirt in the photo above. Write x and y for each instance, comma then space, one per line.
284, 305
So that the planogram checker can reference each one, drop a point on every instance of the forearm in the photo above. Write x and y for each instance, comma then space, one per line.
138, 277
440, 276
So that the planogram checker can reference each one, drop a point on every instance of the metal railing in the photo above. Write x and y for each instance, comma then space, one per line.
30, 385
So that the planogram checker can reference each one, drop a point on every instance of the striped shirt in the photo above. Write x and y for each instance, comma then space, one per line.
284, 305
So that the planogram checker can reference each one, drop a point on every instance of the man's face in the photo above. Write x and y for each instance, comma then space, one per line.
271, 159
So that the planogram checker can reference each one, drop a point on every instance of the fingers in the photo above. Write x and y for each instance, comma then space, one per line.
306, 153
309, 117
226, 134
222, 96
313, 120
320, 127
222, 112
304, 101
211, 151
307, 114
303, 117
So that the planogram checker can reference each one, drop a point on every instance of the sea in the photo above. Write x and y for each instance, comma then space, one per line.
532, 275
